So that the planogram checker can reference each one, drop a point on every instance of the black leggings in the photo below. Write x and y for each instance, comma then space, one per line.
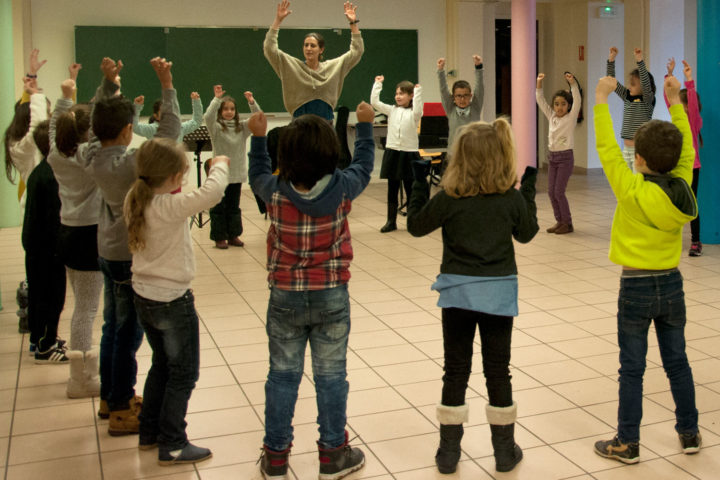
394, 189
495, 337
695, 223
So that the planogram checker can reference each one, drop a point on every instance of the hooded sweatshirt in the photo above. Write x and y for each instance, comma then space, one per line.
651, 209
308, 242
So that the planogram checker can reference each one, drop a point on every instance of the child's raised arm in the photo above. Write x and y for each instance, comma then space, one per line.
169, 125
375, 96
357, 175
211, 113
479, 92
111, 81
540, 99
692, 100
647, 92
610, 72
197, 115
446, 97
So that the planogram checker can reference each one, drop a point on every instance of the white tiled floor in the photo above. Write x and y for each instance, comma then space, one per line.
564, 364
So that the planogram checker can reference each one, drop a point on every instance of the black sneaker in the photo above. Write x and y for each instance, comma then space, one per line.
188, 454
695, 249
623, 452
690, 442
274, 464
54, 355
339, 462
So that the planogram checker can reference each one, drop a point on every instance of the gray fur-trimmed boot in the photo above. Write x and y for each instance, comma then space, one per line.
451, 433
502, 428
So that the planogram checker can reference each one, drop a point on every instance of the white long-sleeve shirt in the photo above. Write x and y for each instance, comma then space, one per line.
24, 153
165, 268
561, 130
403, 123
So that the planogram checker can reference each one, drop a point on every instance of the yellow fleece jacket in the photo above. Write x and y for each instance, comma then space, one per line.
647, 225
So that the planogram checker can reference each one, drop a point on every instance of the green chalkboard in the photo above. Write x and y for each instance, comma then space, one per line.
232, 57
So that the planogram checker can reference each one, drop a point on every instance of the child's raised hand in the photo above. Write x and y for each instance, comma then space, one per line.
258, 124
539, 80
605, 86
218, 91
30, 86
350, 11
570, 78
249, 97
283, 10
74, 69
194, 96
638, 54
687, 70
111, 70
672, 89
35, 64
68, 88
380, 78
670, 65
162, 70
139, 100
441, 63
477, 59
365, 112
613, 53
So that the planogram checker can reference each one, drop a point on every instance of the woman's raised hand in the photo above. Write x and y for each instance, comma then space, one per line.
283, 10
350, 11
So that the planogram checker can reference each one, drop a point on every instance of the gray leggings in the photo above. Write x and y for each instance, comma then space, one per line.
87, 286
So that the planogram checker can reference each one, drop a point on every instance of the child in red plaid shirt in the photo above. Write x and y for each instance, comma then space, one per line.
309, 254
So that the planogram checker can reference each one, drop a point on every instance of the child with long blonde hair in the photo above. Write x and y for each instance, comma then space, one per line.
163, 267
480, 212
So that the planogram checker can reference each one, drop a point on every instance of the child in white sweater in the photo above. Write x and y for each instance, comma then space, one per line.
163, 266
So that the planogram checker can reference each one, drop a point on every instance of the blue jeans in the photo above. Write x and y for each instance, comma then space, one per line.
642, 300
121, 336
293, 318
172, 332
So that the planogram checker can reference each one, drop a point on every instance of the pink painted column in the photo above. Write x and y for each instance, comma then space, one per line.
523, 54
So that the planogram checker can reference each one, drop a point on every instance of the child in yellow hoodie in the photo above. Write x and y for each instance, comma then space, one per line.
653, 205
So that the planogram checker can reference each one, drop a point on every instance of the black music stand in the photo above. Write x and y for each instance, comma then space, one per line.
198, 141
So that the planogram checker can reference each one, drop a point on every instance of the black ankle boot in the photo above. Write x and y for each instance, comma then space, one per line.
274, 464
391, 225
448, 453
507, 452
339, 462
502, 427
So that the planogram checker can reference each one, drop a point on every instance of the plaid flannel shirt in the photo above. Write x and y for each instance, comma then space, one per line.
304, 252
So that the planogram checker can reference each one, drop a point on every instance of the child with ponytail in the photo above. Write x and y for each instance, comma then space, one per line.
480, 212
77, 237
163, 267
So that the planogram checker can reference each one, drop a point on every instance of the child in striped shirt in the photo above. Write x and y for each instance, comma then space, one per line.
638, 101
